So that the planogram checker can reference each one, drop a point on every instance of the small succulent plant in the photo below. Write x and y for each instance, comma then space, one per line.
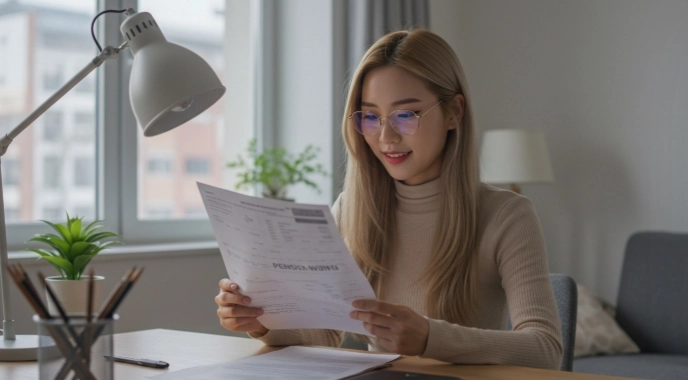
74, 245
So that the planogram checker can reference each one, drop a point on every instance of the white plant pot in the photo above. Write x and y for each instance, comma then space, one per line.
73, 294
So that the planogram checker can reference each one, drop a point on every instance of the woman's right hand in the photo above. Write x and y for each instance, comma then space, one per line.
234, 311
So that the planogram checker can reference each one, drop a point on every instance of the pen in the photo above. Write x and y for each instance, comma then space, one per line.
143, 362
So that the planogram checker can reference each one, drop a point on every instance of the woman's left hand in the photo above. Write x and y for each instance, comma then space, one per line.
397, 328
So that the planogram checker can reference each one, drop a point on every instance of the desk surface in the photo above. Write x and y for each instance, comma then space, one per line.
186, 349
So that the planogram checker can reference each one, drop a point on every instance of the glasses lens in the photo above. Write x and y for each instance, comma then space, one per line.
367, 123
405, 122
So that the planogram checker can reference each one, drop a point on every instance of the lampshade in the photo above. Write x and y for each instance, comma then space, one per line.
514, 156
169, 84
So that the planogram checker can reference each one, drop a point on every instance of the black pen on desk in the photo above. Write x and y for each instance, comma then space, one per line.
142, 362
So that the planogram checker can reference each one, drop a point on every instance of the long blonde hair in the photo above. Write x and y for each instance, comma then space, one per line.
367, 218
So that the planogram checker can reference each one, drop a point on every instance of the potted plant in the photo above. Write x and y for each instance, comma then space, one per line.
70, 251
275, 169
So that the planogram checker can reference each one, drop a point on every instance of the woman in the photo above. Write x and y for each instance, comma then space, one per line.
444, 253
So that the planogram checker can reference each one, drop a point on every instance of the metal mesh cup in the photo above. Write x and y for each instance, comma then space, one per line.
75, 349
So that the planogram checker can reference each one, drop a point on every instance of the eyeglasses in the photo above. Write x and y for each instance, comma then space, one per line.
403, 121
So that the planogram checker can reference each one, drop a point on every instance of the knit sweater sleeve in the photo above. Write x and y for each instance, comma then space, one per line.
521, 259
314, 337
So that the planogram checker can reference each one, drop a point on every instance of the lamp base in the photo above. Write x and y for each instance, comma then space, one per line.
24, 348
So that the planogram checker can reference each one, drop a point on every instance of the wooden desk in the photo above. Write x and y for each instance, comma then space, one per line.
185, 349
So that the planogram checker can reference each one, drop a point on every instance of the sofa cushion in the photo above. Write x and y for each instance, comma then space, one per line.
646, 366
596, 331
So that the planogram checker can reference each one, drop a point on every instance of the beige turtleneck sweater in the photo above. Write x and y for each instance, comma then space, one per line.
513, 279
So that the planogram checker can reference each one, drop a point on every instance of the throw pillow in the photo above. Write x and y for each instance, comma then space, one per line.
596, 330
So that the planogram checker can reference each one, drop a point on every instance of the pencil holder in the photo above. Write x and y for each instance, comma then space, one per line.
78, 349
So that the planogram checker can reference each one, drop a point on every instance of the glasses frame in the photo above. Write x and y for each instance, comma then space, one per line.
388, 117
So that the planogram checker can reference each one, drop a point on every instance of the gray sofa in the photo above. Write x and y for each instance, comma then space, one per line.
652, 308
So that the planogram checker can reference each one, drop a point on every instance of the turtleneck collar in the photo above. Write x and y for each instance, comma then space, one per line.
418, 199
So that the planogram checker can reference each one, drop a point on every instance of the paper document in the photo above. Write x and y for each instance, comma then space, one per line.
302, 363
289, 258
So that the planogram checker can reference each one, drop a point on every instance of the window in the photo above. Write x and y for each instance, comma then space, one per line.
160, 166
84, 172
87, 212
52, 78
196, 213
197, 166
159, 212
53, 213
49, 43
84, 126
87, 86
52, 126
12, 214
11, 168
204, 142
52, 172
138, 186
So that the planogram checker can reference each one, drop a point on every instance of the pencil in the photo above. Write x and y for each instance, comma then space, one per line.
128, 285
115, 293
89, 302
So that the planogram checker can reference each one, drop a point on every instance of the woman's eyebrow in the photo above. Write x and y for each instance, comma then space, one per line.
397, 103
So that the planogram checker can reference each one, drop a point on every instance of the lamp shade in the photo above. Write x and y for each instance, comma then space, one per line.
169, 84
514, 156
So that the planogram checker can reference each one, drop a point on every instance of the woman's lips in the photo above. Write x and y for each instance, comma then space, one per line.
395, 158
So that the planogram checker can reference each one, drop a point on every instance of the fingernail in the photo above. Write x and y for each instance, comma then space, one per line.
356, 304
247, 300
353, 314
233, 287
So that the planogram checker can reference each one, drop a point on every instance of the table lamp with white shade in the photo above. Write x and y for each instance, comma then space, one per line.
169, 85
514, 157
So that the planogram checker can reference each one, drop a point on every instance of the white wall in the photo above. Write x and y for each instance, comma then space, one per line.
607, 81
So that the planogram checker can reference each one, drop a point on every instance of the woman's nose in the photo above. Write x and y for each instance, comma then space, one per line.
388, 135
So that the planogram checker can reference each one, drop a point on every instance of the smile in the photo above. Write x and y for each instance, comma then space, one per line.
396, 157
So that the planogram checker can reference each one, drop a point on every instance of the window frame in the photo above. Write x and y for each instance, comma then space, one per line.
116, 133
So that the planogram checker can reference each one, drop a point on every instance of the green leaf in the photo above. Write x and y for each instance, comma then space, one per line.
107, 244
81, 262
62, 230
62, 264
90, 228
58, 244
43, 253
78, 249
75, 229
100, 235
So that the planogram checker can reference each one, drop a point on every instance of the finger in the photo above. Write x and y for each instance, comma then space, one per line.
378, 307
236, 311
253, 325
226, 298
240, 324
228, 285
378, 331
373, 318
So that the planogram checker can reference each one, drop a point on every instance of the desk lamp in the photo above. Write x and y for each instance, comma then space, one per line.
513, 157
169, 86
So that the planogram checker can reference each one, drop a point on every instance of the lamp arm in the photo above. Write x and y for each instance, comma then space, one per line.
108, 53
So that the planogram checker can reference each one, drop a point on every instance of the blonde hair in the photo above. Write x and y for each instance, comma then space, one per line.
367, 218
